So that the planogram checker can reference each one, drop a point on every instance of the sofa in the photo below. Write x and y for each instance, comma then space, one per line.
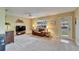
41, 32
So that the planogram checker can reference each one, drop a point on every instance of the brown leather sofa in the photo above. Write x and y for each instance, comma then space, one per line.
40, 33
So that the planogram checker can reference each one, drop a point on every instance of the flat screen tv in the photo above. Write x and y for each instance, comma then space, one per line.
20, 28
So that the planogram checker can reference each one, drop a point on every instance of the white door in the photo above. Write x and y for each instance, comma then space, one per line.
65, 30
77, 30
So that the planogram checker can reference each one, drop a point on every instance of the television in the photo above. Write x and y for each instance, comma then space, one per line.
20, 28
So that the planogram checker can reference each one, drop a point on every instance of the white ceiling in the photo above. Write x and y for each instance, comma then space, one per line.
38, 11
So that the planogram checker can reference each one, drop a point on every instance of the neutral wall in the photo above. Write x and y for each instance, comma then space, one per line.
12, 20
54, 29
2, 21
77, 12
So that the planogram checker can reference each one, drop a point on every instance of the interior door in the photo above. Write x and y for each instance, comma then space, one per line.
65, 26
77, 31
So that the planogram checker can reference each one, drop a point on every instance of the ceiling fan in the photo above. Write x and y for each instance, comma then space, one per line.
29, 15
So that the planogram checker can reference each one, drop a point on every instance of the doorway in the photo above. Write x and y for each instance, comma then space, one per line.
65, 27
77, 31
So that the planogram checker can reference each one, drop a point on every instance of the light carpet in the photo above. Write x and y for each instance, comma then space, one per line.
36, 43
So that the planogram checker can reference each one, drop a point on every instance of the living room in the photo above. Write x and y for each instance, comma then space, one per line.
40, 28
47, 26
49, 23
31, 22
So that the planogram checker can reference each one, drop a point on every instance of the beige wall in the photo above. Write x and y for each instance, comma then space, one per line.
12, 21
2, 21
54, 28
77, 12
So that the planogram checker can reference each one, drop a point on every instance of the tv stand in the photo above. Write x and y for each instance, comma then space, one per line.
20, 32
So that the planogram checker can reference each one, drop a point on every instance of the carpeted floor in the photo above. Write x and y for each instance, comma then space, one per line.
36, 43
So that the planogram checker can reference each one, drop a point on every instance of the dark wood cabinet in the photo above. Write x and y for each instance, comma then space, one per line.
9, 37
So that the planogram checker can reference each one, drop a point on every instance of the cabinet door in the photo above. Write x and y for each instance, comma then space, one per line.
9, 37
